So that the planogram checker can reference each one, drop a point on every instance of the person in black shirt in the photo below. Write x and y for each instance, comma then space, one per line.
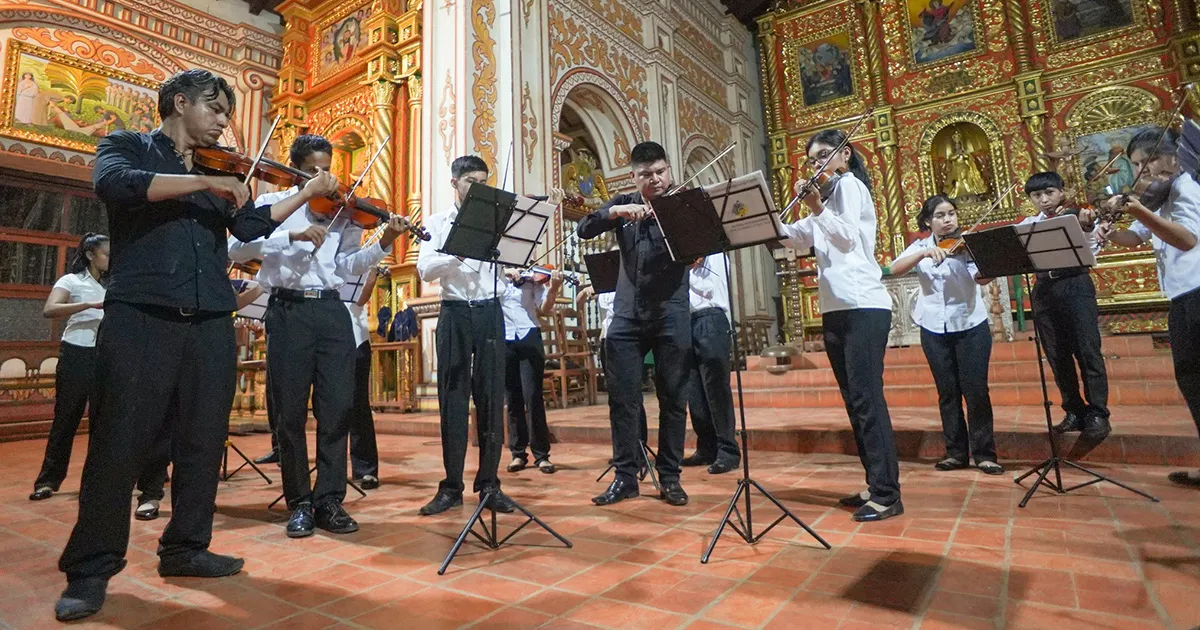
650, 313
167, 335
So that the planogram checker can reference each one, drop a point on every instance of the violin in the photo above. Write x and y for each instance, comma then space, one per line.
824, 182
1152, 195
954, 244
365, 212
541, 275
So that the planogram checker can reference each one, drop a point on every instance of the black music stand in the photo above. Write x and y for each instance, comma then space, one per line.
1012, 250
694, 227
495, 226
254, 310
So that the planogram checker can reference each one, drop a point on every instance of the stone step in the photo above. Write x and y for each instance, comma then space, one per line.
1140, 392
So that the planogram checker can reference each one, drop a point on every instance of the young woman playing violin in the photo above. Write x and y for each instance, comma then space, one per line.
1173, 230
954, 334
855, 308
310, 340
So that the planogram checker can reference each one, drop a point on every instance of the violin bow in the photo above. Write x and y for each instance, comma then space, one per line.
366, 169
984, 216
703, 168
263, 150
1187, 92
817, 173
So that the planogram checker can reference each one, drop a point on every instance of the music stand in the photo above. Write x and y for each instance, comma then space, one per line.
1045, 246
254, 310
496, 226
693, 227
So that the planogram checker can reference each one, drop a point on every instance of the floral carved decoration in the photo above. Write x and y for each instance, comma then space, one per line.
483, 90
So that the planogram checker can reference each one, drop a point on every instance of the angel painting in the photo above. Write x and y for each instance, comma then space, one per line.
941, 30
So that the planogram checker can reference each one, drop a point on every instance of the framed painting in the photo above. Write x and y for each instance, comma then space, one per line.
824, 68
941, 29
1077, 21
63, 101
339, 40
1099, 128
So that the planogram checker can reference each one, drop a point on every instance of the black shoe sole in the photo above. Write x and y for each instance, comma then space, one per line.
233, 571
76, 615
146, 516
882, 516
424, 512
304, 533
350, 529
617, 500
668, 501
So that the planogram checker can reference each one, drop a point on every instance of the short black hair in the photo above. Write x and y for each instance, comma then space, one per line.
306, 145
927, 209
467, 164
1147, 139
1043, 181
193, 84
647, 153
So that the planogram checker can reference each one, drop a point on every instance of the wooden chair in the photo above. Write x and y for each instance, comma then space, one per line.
574, 366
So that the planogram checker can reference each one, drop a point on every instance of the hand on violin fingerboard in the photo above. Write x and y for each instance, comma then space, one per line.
396, 226
323, 184
556, 196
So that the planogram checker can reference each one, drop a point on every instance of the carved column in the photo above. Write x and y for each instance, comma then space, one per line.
1032, 99
1016, 33
874, 54
383, 129
885, 139
415, 92
781, 172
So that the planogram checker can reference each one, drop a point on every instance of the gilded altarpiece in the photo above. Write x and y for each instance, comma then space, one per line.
352, 73
969, 98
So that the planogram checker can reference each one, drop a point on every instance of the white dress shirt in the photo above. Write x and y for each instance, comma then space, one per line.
1093, 239
1178, 271
81, 327
950, 299
707, 285
520, 306
461, 280
359, 322
288, 265
605, 301
843, 239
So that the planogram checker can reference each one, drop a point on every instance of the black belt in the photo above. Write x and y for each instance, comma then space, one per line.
469, 303
294, 295
712, 310
1060, 274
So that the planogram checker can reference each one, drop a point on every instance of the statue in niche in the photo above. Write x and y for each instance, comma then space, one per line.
963, 176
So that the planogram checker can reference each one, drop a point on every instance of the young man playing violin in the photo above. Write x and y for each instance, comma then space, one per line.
167, 335
1067, 318
310, 338
1173, 230
650, 314
524, 298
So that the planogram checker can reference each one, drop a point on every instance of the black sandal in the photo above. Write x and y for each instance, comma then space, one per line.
990, 468
545, 466
518, 464
950, 463
1185, 478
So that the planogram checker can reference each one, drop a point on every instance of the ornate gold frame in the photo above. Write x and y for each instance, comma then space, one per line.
1108, 109
910, 59
999, 155
791, 72
12, 64
320, 75
1140, 22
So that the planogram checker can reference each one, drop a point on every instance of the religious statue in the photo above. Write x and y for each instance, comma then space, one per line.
963, 179
582, 178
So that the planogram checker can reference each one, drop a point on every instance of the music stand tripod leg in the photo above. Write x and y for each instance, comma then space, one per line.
246, 461
489, 539
646, 461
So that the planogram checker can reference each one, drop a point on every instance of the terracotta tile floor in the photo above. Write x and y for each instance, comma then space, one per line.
964, 555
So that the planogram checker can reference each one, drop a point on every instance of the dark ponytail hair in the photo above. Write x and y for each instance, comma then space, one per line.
927, 209
834, 138
88, 244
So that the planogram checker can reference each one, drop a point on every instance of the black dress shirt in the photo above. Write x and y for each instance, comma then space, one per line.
649, 284
168, 253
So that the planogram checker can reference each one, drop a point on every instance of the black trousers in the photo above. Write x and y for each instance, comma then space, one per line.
524, 373
1184, 324
148, 357
470, 356
629, 339
959, 362
643, 431
364, 451
710, 398
74, 381
271, 424
310, 349
855, 341
1068, 325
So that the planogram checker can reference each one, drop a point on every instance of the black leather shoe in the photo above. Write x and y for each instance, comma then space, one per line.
1188, 478
146, 511
199, 564
301, 523
855, 500
1096, 428
368, 482
617, 491
269, 458
82, 598
673, 493
500, 503
697, 459
869, 512
1070, 424
332, 517
41, 494
440, 503
721, 467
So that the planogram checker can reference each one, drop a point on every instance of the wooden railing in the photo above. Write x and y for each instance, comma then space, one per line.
27, 372
395, 371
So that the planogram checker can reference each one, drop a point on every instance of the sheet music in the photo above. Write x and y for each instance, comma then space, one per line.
352, 290
1057, 243
525, 229
256, 309
747, 210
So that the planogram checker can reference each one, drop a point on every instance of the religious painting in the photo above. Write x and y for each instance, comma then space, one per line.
825, 69
62, 101
339, 42
1105, 151
940, 29
1079, 19
962, 162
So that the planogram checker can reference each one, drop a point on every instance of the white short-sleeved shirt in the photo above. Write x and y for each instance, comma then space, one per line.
1178, 271
950, 299
82, 327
